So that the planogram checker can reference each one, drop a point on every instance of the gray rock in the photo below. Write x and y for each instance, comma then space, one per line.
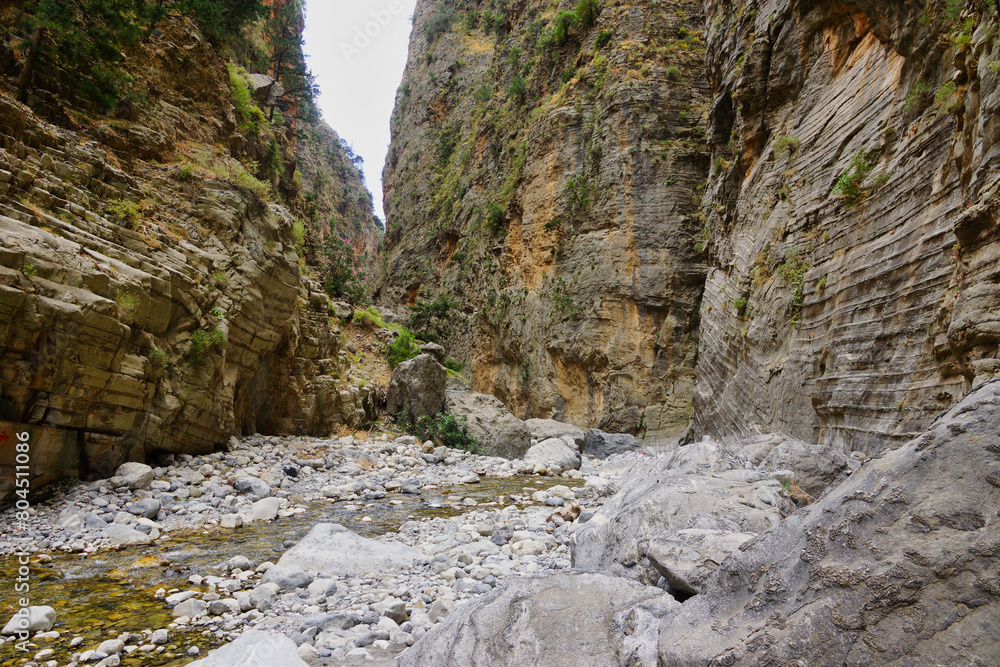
121, 535
263, 596
391, 607
331, 549
253, 487
698, 487
342, 310
417, 388
543, 429
94, 522
111, 647
192, 608
71, 518
230, 521
224, 606
133, 475
159, 637
287, 577
896, 565
816, 467
601, 445
434, 350
148, 508
496, 430
335, 621
30, 619
264, 509
554, 451
322, 587
254, 649
562, 620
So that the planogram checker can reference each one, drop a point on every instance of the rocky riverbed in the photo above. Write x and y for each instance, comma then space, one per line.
191, 551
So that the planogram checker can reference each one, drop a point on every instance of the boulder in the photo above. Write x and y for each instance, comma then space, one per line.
252, 486
543, 429
330, 549
254, 649
264, 509
601, 445
702, 489
264, 88
133, 475
287, 577
816, 467
148, 508
562, 620
496, 430
896, 565
434, 350
30, 619
554, 451
71, 518
120, 535
417, 388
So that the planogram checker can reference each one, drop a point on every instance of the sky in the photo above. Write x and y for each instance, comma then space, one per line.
357, 50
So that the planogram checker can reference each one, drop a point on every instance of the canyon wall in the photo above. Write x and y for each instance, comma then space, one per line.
152, 293
548, 181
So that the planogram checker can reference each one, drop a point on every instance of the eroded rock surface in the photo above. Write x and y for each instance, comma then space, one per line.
497, 431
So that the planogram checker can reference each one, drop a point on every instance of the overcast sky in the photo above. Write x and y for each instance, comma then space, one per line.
357, 50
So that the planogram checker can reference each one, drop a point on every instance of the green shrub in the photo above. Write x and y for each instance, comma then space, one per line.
603, 39
946, 97
431, 320
518, 89
785, 144
126, 212
483, 94
29, 270
496, 217
453, 365
402, 349
565, 21
740, 304
185, 172
218, 280
128, 304
851, 184
299, 234
444, 428
345, 270
250, 116
439, 23
157, 358
202, 341
586, 13
673, 72
794, 272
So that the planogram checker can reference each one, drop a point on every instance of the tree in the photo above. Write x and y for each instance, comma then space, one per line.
287, 62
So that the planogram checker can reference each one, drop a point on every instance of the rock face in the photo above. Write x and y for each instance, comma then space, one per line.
555, 451
496, 430
601, 445
254, 648
563, 620
417, 388
897, 565
149, 302
843, 320
548, 186
543, 429
678, 516
330, 549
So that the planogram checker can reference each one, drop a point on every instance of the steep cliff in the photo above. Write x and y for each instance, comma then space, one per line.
852, 221
152, 293
544, 175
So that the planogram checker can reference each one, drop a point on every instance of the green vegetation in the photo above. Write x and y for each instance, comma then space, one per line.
496, 217
673, 72
946, 97
851, 184
128, 303
565, 21
202, 341
794, 272
431, 320
586, 13
29, 270
185, 172
402, 349
785, 144
740, 305
250, 117
483, 94
218, 280
157, 358
518, 89
603, 39
443, 428
439, 23
918, 93
126, 212
344, 270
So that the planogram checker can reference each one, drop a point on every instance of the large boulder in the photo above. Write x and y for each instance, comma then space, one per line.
678, 517
601, 445
895, 566
416, 388
330, 549
816, 467
254, 648
132, 475
496, 430
30, 619
562, 620
543, 429
554, 451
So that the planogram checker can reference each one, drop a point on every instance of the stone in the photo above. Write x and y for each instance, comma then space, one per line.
287, 577
253, 487
254, 648
561, 620
392, 608
496, 430
816, 467
701, 487
231, 521
434, 350
554, 451
544, 429
224, 606
30, 619
263, 596
601, 445
111, 647
134, 475
332, 550
890, 567
148, 508
192, 608
71, 518
265, 509
121, 535
159, 637
417, 388
322, 588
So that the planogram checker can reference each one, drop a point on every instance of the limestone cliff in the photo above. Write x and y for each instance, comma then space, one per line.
852, 219
545, 174
152, 293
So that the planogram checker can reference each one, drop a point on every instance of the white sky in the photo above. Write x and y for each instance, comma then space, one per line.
357, 50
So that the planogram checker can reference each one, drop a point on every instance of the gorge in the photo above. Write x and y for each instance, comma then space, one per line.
710, 291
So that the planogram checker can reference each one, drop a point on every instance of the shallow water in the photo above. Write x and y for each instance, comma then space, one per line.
102, 595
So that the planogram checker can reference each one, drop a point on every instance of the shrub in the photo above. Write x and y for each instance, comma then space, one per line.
402, 349
483, 94
603, 39
185, 172
851, 184
431, 320
444, 428
794, 272
947, 98
157, 358
126, 212
740, 304
344, 270
128, 303
785, 144
439, 23
518, 89
673, 72
218, 280
565, 21
453, 365
299, 234
495, 217
586, 13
